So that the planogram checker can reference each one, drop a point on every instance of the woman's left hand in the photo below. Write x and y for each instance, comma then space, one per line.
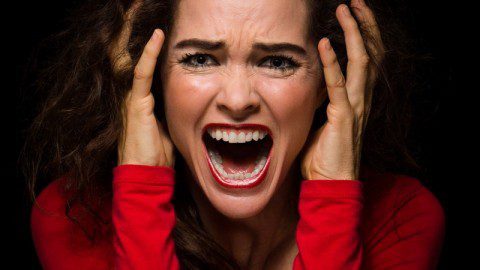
333, 151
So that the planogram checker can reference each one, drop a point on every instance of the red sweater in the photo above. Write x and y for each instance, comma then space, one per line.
384, 222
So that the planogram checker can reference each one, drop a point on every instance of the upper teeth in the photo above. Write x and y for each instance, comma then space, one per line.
236, 136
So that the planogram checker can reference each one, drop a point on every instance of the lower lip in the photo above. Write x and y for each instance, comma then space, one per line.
236, 183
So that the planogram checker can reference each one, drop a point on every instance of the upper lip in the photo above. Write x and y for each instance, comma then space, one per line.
238, 126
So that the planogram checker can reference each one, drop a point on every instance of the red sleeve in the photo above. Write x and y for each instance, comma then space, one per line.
415, 235
143, 217
329, 231
60, 243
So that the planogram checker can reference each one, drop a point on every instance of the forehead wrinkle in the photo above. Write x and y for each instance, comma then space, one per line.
240, 23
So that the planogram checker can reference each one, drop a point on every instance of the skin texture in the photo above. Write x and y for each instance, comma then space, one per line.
238, 84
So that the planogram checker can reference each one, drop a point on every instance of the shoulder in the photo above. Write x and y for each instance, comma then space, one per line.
59, 241
49, 206
402, 203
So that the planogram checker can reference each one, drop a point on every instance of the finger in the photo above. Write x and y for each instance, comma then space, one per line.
374, 43
334, 79
367, 21
143, 74
358, 59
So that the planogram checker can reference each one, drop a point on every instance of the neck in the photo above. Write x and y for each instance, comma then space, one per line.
256, 241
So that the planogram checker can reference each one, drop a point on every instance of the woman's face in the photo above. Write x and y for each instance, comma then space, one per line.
244, 71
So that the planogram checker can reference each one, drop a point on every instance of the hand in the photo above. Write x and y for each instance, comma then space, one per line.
143, 141
333, 152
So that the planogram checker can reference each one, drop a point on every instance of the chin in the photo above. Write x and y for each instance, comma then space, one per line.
234, 207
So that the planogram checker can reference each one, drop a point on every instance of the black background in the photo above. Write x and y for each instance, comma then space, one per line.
441, 137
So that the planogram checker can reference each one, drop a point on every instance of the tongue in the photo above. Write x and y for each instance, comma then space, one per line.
239, 158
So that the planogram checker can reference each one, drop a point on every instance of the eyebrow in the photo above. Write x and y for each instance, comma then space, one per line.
200, 44
280, 47
216, 45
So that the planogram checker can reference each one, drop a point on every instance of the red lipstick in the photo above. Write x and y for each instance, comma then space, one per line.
248, 182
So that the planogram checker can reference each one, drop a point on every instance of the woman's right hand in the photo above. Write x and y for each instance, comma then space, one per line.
143, 140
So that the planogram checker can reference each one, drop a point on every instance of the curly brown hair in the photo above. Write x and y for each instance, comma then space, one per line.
78, 122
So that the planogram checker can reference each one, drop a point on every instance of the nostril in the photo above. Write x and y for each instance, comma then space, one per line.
250, 108
237, 101
238, 111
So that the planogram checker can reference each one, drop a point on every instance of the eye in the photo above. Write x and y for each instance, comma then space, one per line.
281, 62
197, 60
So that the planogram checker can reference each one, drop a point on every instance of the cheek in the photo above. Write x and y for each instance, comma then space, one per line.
292, 102
186, 100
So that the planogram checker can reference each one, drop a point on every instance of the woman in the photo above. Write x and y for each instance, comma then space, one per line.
255, 112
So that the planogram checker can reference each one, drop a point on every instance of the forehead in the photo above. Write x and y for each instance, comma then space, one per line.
246, 20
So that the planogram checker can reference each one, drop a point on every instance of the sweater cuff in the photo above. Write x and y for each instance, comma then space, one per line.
144, 174
331, 188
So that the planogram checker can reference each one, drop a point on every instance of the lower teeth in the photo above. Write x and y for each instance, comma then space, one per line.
217, 163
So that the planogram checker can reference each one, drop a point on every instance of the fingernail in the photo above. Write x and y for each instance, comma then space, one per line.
327, 44
346, 11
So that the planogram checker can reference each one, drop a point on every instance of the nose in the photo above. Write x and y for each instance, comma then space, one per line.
238, 98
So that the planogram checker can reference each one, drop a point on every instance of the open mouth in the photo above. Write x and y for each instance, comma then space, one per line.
238, 157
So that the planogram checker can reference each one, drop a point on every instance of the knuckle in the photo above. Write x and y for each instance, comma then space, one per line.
331, 110
363, 60
139, 73
337, 83
145, 104
341, 114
